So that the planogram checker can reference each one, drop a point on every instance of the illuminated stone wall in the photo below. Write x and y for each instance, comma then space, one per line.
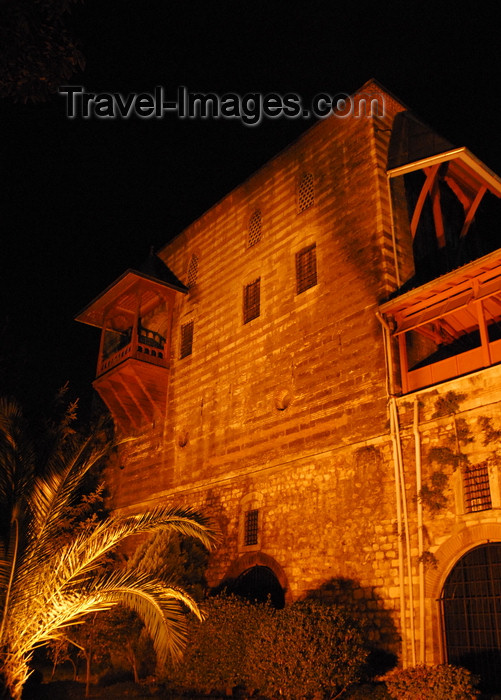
288, 413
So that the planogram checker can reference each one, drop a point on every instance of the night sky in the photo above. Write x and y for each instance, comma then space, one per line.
82, 200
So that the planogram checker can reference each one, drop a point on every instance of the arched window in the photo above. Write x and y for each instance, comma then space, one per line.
254, 231
306, 192
192, 272
471, 614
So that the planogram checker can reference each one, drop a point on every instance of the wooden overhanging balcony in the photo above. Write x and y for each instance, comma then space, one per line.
135, 318
449, 322
449, 326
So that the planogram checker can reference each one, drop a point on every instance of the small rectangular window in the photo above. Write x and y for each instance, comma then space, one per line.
477, 488
306, 268
186, 339
252, 300
251, 527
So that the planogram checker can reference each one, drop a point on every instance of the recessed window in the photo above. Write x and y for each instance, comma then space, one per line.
477, 490
252, 300
254, 232
306, 268
306, 192
192, 272
251, 527
186, 339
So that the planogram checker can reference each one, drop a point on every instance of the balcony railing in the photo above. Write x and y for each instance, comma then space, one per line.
146, 345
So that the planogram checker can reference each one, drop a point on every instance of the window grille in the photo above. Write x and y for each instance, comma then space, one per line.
306, 192
254, 233
252, 300
192, 272
186, 339
476, 488
306, 268
471, 613
251, 527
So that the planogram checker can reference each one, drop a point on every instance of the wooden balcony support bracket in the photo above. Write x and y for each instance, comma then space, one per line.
472, 210
134, 400
437, 213
148, 394
429, 183
111, 385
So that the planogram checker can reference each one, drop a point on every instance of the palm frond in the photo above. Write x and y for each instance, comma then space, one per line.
87, 548
162, 609
49, 582
54, 491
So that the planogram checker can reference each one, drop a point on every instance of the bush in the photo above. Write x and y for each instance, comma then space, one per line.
298, 652
441, 682
312, 648
215, 656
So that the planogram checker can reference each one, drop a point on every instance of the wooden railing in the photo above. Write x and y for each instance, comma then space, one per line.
146, 345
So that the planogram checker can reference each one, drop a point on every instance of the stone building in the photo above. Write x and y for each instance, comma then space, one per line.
315, 363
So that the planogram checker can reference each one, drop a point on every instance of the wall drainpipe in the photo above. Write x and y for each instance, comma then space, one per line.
417, 444
400, 497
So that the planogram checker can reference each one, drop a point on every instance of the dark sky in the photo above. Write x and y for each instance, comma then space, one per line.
82, 200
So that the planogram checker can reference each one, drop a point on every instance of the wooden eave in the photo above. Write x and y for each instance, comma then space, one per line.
464, 167
450, 296
122, 295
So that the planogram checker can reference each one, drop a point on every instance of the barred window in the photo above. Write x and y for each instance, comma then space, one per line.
252, 300
254, 232
251, 529
306, 192
192, 272
477, 488
186, 339
306, 268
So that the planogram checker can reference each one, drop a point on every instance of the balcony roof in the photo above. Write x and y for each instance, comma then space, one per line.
450, 296
123, 294
464, 167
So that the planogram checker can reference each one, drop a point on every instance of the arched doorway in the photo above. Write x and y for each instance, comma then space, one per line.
471, 614
258, 584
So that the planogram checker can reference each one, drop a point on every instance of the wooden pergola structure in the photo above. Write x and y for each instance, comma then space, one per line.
464, 304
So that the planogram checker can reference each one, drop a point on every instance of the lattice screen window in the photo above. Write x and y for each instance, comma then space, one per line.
192, 272
186, 339
306, 268
306, 192
251, 527
254, 232
252, 300
477, 490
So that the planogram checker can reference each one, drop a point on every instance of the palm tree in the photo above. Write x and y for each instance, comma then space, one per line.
49, 581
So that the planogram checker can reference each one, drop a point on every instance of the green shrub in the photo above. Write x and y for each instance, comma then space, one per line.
312, 648
215, 656
441, 682
298, 652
